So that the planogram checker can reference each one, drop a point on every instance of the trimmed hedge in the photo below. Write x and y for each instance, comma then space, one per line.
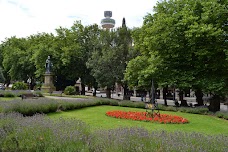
30, 107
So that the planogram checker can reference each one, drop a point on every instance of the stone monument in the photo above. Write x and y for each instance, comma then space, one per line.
48, 85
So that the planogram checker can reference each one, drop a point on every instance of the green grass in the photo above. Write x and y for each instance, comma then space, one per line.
63, 95
96, 118
8, 98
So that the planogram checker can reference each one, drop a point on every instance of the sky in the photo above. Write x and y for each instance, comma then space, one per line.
22, 18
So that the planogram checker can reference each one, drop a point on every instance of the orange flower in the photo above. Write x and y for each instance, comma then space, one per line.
144, 116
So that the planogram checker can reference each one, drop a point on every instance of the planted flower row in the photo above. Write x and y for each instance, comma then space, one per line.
143, 116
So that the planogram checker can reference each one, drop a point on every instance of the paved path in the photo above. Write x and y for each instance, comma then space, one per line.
160, 101
114, 96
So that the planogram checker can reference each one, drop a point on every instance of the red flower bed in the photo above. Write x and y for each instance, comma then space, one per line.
144, 116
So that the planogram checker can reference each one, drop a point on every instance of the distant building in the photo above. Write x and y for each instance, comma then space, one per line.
107, 22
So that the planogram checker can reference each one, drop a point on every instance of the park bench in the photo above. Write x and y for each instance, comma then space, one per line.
28, 96
57, 93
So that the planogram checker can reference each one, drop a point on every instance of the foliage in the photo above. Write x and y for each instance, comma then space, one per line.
189, 39
70, 90
114, 52
102, 60
29, 107
195, 110
2, 78
39, 133
17, 57
19, 86
8, 94
221, 114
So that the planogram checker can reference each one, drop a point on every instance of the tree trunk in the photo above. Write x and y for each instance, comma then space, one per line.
165, 91
199, 97
215, 103
108, 92
94, 91
181, 98
126, 95
83, 89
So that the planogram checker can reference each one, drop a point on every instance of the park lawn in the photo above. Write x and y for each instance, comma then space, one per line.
8, 98
96, 118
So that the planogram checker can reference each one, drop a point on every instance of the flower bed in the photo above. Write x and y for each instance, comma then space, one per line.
144, 116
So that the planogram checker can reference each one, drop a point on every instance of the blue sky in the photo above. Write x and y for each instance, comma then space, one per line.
22, 18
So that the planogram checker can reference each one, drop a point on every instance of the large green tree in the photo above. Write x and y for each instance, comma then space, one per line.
109, 60
103, 62
17, 61
190, 38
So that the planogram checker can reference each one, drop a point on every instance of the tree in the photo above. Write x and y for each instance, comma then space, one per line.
109, 60
2, 78
190, 39
103, 62
123, 52
17, 61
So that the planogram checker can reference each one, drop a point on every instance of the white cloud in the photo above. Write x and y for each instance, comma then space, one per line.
26, 17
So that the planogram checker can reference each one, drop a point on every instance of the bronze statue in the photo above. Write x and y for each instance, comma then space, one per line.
48, 65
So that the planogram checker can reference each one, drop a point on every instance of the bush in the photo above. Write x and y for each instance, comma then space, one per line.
167, 108
39, 94
29, 107
8, 94
221, 114
70, 90
19, 86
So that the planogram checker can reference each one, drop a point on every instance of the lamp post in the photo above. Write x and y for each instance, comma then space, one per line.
152, 92
29, 81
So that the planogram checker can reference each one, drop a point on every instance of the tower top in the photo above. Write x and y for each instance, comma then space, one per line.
108, 14
108, 22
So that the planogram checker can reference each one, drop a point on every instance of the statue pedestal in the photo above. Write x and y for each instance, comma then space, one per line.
48, 85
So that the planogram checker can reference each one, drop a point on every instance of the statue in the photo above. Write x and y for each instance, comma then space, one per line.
48, 65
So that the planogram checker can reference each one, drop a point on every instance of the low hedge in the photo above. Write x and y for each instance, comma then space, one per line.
18, 93
30, 107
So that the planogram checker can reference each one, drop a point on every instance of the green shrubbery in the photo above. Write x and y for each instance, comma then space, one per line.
29, 107
19, 86
221, 114
70, 90
9, 94
44, 105
196, 110
18, 93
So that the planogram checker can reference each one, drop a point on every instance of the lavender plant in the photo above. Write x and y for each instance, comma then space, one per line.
29, 107
39, 133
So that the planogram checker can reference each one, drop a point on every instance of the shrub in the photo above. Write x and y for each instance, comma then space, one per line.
40, 133
221, 114
8, 94
70, 90
19, 86
167, 108
29, 107
39, 94
197, 110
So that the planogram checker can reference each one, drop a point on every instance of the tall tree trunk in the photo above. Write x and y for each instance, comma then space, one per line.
181, 98
83, 89
165, 91
108, 92
199, 97
215, 103
126, 95
94, 91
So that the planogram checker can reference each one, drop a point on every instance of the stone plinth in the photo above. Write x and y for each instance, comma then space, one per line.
48, 85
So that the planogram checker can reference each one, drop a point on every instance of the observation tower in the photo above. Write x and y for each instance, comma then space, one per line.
107, 22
